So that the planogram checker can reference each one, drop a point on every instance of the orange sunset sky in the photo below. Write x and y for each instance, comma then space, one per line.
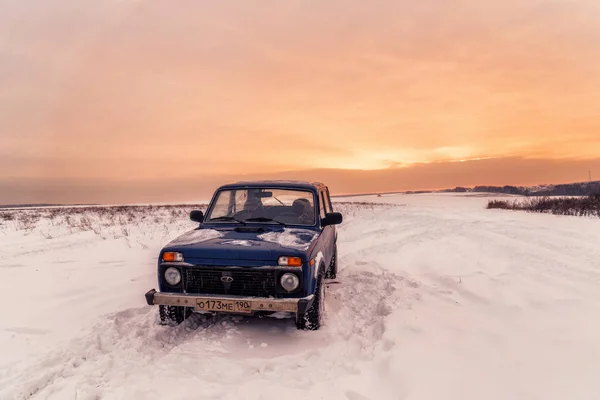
135, 100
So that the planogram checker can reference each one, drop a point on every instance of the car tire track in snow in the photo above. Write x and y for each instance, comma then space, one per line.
131, 341
126, 345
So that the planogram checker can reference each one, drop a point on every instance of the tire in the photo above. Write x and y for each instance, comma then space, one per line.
332, 271
312, 319
173, 315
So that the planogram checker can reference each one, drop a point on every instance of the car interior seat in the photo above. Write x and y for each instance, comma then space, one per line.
303, 209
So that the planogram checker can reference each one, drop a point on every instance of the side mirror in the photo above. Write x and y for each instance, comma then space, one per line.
197, 216
334, 218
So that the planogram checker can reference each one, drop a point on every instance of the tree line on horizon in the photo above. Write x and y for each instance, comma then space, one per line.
568, 189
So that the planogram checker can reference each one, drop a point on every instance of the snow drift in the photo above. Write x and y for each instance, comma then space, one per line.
437, 298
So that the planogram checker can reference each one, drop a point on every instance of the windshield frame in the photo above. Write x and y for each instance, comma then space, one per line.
313, 195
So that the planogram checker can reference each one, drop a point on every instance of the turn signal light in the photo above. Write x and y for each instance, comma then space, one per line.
172, 257
290, 261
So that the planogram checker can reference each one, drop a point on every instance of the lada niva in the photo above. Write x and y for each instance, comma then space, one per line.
261, 248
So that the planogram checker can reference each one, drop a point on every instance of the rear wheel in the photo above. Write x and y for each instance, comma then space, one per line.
313, 317
173, 315
332, 271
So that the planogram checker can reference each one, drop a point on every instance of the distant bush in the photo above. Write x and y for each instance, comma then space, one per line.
93, 218
6, 216
500, 204
576, 206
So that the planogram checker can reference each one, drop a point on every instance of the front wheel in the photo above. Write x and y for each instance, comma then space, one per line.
173, 315
332, 271
312, 319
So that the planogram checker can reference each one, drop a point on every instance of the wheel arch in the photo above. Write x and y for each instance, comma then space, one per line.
318, 274
322, 270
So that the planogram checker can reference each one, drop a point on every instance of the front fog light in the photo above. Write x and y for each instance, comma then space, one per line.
172, 276
290, 282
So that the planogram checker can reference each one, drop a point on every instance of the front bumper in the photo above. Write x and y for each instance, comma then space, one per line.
247, 305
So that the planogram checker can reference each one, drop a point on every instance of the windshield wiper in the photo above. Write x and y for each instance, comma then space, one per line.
264, 219
226, 218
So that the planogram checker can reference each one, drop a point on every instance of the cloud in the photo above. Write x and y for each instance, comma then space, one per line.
140, 89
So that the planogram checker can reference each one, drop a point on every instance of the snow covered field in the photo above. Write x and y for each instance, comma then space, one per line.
438, 298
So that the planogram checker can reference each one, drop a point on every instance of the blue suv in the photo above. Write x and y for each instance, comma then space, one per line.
261, 248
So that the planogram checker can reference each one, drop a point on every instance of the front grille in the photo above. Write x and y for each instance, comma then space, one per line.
244, 282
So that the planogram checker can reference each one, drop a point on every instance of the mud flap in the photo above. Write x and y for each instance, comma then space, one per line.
150, 297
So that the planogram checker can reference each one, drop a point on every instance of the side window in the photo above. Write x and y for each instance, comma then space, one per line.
325, 202
321, 205
329, 201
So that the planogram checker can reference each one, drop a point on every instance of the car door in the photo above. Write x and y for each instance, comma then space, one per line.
329, 232
330, 209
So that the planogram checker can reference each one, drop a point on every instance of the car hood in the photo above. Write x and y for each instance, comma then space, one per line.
207, 246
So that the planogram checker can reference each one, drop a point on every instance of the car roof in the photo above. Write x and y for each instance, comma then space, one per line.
288, 184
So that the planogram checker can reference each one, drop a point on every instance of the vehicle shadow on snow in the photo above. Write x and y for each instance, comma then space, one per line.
138, 332
251, 336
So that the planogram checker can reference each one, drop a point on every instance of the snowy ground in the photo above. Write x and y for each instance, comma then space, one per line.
438, 299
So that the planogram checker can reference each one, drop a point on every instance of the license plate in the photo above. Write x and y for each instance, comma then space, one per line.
233, 306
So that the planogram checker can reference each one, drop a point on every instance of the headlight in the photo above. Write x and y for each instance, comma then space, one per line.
172, 276
290, 282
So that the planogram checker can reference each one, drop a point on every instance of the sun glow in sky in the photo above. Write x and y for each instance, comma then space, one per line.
148, 89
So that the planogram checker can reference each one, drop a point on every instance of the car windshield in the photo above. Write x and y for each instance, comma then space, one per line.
262, 205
